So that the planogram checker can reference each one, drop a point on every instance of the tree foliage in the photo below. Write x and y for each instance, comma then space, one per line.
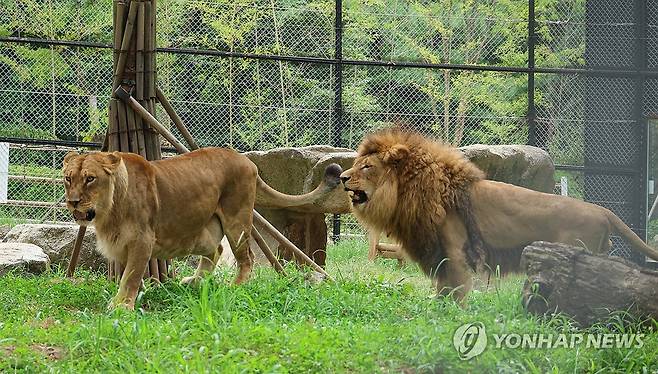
250, 104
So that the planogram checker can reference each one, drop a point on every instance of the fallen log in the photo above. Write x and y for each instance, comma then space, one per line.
585, 286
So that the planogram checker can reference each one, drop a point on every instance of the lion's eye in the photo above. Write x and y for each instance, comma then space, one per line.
90, 179
366, 167
67, 179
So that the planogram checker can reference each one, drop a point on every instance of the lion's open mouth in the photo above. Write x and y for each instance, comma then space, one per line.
84, 216
357, 196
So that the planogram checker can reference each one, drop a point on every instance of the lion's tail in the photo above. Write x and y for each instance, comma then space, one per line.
621, 229
268, 197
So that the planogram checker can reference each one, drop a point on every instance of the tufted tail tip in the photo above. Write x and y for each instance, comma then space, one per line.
332, 175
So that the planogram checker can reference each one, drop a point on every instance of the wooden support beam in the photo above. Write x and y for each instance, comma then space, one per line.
75, 255
175, 118
152, 121
262, 222
267, 250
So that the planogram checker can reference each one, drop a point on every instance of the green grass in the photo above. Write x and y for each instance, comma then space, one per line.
375, 318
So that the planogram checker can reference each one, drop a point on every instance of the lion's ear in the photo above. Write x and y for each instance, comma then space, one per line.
68, 158
111, 162
396, 153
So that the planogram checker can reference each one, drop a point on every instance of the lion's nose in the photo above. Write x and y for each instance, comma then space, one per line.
74, 202
344, 178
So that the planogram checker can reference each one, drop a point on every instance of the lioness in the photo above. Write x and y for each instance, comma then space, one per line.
450, 220
173, 207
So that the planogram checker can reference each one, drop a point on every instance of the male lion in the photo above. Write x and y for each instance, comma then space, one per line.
449, 219
174, 207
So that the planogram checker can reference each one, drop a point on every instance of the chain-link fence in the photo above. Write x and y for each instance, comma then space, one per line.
575, 78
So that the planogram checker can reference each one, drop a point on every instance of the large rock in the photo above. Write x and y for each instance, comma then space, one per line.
57, 241
22, 258
4, 229
299, 170
522, 165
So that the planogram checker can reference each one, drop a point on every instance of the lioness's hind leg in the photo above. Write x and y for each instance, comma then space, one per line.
235, 212
206, 265
244, 257
238, 237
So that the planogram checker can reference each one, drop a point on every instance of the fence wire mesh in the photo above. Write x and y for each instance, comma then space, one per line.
255, 75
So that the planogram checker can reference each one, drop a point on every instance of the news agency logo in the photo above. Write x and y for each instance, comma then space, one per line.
470, 340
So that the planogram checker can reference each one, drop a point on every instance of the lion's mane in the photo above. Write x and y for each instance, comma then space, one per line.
419, 189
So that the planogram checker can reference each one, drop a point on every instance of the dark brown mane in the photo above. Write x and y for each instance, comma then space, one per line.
433, 178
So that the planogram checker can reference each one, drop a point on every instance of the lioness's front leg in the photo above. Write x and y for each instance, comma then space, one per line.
137, 258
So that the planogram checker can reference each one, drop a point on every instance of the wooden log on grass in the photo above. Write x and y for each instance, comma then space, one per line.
588, 287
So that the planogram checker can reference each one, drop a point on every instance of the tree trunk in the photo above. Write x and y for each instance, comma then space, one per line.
586, 286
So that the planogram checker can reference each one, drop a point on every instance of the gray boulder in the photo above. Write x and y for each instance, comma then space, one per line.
4, 229
522, 165
22, 258
57, 242
299, 170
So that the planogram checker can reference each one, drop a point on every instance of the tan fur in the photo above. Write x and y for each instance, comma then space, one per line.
450, 220
171, 208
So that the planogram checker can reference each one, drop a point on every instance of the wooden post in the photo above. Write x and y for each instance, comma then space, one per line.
134, 69
175, 118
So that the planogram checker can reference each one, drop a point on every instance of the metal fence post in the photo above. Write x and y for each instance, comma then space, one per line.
532, 123
337, 129
641, 124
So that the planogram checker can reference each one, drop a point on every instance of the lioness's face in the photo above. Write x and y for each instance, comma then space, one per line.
88, 183
362, 179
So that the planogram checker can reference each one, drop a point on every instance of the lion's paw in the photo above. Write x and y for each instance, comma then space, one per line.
125, 305
190, 281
